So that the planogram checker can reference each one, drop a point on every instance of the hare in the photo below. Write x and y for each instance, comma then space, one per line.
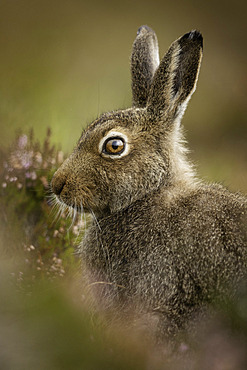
161, 241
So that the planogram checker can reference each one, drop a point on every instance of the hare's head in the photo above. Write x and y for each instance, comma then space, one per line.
126, 154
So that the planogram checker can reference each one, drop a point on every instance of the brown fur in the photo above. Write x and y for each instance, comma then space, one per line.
162, 242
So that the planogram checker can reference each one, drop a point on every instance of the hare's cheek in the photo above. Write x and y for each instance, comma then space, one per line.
66, 194
86, 194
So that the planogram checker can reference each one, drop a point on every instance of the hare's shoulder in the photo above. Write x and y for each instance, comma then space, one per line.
197, 205
198, 211
205, 201
218, 199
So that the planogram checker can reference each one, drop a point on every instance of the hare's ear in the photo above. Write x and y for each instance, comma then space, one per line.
175, 80
144, 62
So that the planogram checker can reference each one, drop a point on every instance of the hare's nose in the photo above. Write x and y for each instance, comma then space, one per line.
57, 183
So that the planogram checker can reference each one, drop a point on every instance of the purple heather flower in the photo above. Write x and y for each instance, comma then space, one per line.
13, 179
22, 141
38, 157
26, 160
33, 175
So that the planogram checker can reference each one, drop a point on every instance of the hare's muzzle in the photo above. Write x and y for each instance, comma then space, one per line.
57, 183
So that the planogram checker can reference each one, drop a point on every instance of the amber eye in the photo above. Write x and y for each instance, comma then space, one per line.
114, 146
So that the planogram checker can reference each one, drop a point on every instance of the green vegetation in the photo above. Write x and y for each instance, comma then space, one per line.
30, 223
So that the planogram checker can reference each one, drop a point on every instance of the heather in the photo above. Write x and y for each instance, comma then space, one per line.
42, 234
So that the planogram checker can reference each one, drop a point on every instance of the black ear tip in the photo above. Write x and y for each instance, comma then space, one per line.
194, 35
144, 28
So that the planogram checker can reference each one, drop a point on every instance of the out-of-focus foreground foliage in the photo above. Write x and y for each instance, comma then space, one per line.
30, 224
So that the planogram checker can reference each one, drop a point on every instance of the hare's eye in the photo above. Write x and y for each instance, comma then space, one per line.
114, 145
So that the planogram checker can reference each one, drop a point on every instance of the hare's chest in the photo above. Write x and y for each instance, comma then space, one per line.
126, 253
113, 253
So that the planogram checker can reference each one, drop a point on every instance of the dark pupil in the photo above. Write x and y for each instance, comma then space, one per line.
115, 144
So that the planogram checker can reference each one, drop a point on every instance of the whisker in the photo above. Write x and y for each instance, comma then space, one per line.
93, 214
82, 213
104, 249
61, 210
85, 221
57, 208
74, 213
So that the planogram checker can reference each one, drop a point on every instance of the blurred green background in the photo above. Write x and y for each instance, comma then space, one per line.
63, 62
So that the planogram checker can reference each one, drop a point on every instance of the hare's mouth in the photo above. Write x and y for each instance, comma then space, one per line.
77, 206
75, 216
66, 209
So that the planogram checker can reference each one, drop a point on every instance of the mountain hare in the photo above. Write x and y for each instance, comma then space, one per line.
161, 242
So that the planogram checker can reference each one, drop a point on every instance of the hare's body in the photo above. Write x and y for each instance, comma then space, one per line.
169, 270
161, 242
